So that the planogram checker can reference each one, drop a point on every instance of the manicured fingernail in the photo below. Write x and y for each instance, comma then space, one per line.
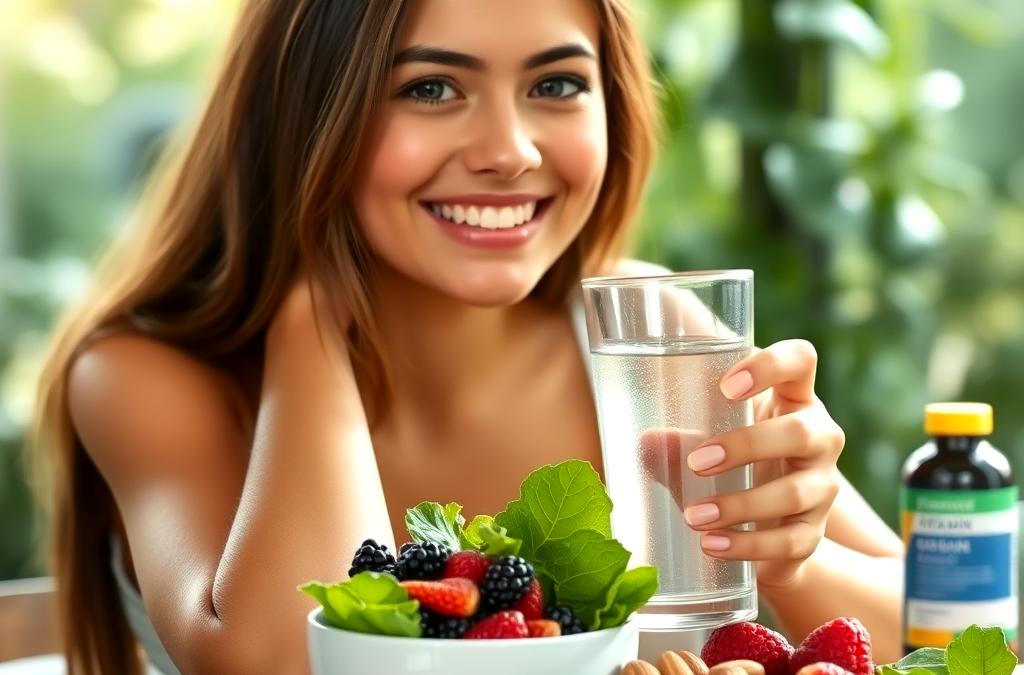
738, 384
703, 459
713, 542
701, 514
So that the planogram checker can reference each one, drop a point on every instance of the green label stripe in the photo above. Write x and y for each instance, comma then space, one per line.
920, 500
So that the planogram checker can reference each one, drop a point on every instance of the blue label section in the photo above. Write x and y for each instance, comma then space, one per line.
959, 569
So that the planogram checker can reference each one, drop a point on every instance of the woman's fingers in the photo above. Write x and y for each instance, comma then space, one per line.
787, 367
804, 439
795, 496
793, 539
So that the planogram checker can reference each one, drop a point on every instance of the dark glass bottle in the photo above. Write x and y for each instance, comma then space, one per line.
960, 528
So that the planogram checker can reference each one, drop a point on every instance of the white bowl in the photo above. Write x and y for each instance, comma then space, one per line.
333, 651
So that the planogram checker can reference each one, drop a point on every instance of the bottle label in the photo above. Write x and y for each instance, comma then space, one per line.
961, 564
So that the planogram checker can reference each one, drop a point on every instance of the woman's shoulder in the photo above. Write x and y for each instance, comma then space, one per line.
631, 267
125, 387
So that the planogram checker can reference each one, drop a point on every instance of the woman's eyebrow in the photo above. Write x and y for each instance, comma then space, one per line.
447, 57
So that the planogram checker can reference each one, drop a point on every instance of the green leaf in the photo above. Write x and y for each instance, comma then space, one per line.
980, 651
429, 521
628, 593
490, 539
831, 21
368, 603
563, 518
930, 659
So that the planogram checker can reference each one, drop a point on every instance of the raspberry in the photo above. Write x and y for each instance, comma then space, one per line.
450, 597
567, 619
440, 627
467, 565
421, 561
500, 626
823, 668
844, 642
543, 628
532, 604
748, 641
372, 557
507, 580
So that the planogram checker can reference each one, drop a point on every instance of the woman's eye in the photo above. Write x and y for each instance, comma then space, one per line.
430, 91
561, 87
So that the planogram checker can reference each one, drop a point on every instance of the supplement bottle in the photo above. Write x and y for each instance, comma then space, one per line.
960, 527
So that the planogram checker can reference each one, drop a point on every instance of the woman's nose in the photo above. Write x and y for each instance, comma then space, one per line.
501, 142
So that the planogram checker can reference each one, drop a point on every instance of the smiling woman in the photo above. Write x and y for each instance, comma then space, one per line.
353, 291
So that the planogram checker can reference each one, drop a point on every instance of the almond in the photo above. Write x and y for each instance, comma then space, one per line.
639, 668
671, 663
739, 667
696, 663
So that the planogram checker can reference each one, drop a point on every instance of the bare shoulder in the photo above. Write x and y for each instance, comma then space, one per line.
629, 267
132, 398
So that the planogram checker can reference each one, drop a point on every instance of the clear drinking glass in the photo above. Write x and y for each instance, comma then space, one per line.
659, 348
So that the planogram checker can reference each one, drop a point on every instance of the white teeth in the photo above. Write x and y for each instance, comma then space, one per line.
506, 218
487, 217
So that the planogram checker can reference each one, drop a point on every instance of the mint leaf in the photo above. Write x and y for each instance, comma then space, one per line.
563, 517
368, 603
429, 521
980, 651
628, 593
490, 539
930, 659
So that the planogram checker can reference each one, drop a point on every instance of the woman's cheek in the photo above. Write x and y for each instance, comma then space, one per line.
405, 158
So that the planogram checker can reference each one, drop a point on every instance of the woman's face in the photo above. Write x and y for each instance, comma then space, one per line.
491, 149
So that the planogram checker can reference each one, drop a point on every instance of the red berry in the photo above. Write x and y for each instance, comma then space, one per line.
532, 604
501, 626
467, 565
823, 668
748, 641
543, 628
450, 597
844, 642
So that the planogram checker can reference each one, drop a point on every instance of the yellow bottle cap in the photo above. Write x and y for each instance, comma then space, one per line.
958, 419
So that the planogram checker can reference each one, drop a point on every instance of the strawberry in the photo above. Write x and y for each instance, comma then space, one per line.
748, 641
823, 668
449, 597
501, 626
532, 604
844, 642
543, 628
467, 565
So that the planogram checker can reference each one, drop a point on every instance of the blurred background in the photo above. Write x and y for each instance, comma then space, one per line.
864, 157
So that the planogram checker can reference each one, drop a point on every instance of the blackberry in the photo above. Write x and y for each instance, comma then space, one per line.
567, 619
372, 557
421, 561
506, 582
442, 627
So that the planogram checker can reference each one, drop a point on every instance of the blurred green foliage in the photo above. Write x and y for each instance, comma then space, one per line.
863, 157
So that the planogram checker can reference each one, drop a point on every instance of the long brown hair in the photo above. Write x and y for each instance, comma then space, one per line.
259, 189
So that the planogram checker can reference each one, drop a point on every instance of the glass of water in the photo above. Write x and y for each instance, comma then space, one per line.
659, 348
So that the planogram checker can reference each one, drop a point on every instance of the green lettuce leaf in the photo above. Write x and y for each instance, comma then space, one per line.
930, 659
368, 603
980, 651
563, 518
484, 536
429, 521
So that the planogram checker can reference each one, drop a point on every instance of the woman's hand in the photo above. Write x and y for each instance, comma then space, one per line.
793, 444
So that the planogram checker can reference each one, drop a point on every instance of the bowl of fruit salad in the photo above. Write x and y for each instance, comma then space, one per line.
540, 588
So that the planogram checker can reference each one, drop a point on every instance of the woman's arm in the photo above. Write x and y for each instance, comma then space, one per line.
222, 530
856, 571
